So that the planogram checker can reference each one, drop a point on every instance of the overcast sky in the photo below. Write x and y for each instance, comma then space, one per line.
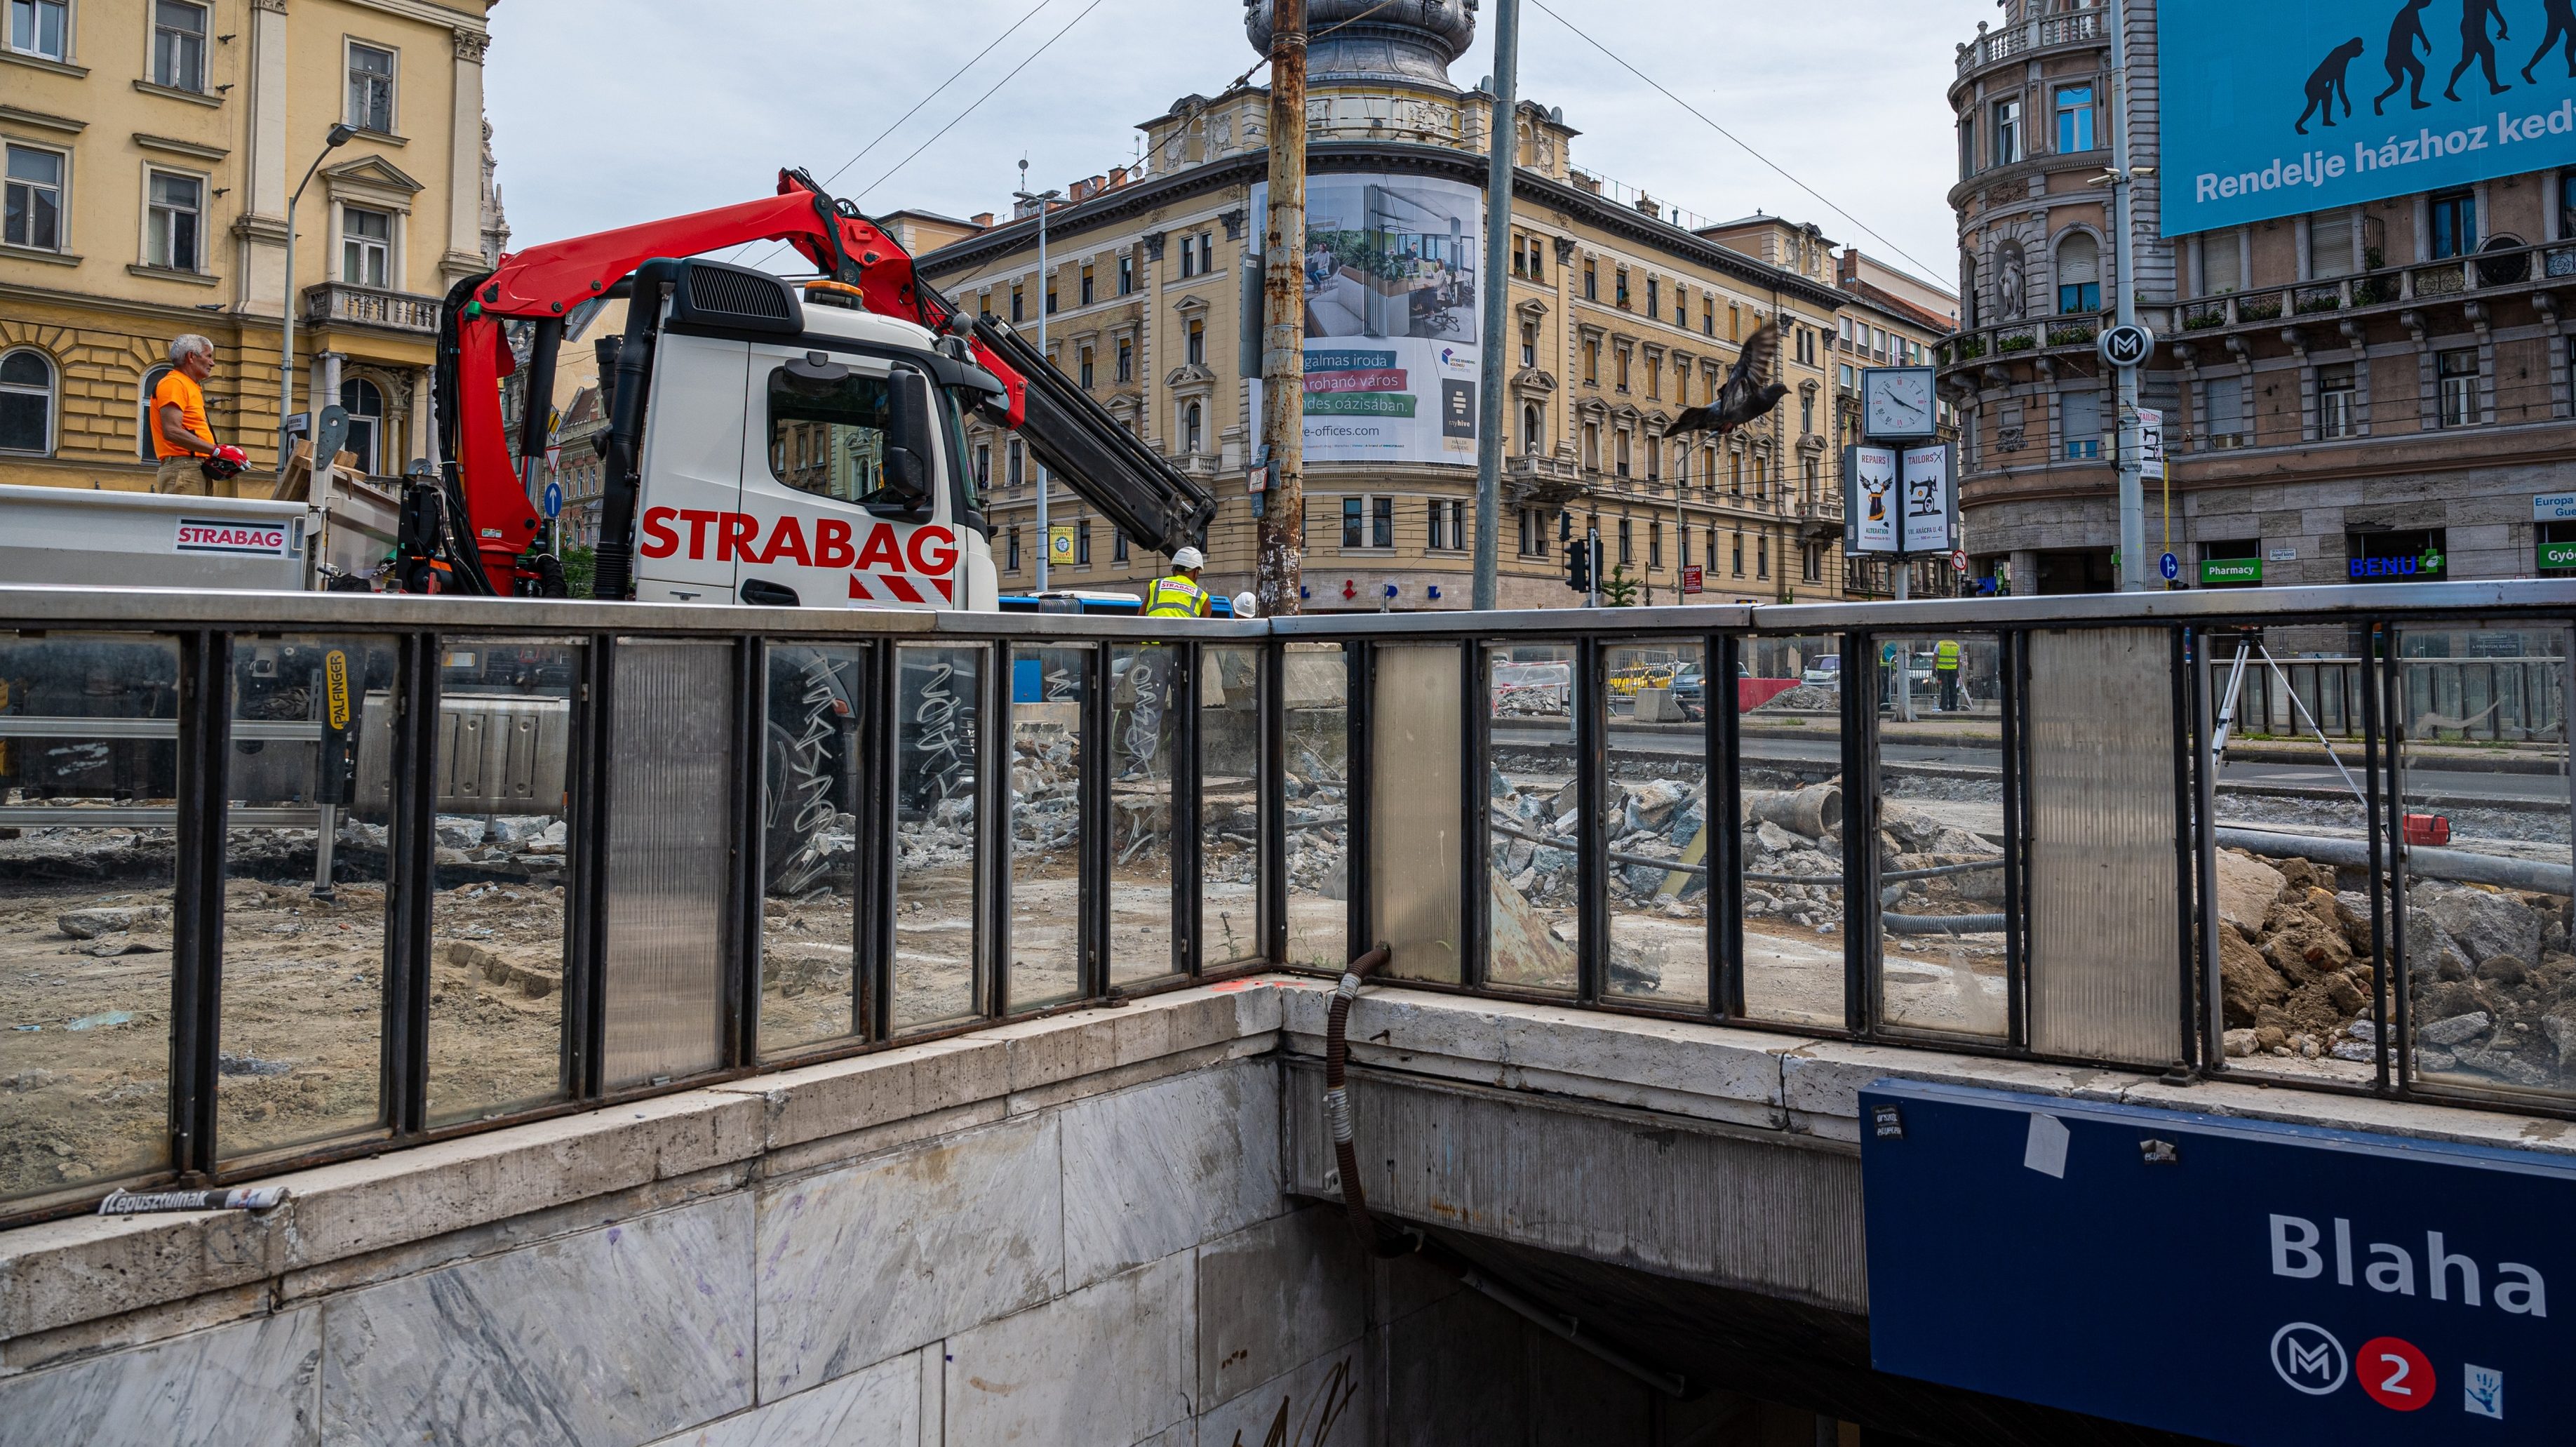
603, 116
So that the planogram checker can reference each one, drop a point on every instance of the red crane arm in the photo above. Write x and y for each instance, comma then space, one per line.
550, 280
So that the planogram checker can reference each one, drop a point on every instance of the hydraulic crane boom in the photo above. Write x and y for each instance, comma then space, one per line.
489, 523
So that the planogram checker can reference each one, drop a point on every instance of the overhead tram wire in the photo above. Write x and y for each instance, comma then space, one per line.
1732, 136
961, 116
935, 93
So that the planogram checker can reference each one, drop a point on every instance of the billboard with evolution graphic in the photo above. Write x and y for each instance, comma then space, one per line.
1392, 318
2288, 106
2231, 1279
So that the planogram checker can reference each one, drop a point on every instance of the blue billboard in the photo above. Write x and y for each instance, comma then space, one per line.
2231, 1279
2278, 107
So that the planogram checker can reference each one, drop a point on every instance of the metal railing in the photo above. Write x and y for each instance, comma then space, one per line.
334, 301
582, 853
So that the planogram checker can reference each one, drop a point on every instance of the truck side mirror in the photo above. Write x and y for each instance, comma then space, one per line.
912, 439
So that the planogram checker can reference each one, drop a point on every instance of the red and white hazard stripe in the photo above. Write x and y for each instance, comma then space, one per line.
897, 588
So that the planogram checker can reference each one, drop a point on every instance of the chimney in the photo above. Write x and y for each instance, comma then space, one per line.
983, 220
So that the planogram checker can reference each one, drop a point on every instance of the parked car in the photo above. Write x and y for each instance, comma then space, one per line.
1690, 690
1825, 672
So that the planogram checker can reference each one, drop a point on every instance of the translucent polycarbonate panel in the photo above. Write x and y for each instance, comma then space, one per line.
809, 819
1533, 819
935, 894
1144, 688
1049, 688
89, 784
2105, 943
1315, 688
1415, 744
1788, 700
666, 865
503, 848
2483, 833
1229, 805
1941, 839
1655, 815
300, 1051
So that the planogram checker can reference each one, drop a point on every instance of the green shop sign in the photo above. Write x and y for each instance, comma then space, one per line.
2558, 555
2230, 570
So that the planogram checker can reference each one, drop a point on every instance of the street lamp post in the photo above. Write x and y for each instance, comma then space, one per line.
1044, 200
337, 137
2132, 490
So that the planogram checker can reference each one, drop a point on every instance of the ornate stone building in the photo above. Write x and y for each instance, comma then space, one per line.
1624, 312
150, 153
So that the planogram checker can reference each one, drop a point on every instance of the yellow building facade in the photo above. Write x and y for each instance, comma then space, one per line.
1622, 313
151, 152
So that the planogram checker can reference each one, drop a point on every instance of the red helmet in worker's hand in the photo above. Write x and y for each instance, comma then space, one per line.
226, 463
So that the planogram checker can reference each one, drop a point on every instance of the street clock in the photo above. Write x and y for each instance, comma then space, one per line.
1896, 403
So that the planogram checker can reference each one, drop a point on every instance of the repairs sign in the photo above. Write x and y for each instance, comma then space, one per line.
2233, 1279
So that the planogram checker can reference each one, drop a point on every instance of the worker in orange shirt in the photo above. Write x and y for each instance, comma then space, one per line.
191, 462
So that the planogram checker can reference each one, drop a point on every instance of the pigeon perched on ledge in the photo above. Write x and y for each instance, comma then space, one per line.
1750, 392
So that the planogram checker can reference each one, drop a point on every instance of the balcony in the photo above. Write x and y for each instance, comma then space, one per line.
2046, 33
337, 303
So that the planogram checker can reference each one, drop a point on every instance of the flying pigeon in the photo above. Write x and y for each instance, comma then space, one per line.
1750, 391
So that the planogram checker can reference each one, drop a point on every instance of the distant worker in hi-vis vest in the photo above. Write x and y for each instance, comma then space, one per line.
1178, 596
1945, 669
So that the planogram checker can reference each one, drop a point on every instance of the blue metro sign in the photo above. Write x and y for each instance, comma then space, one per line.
2233, 1279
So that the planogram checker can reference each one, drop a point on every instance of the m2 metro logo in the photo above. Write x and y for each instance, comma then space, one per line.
885, 566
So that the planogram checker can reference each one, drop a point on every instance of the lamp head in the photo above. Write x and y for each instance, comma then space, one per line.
339, 135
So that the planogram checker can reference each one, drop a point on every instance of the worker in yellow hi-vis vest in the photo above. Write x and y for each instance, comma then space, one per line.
1945, 670
1176, 596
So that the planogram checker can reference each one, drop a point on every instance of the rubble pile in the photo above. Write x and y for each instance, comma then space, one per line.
1805, 698
1318, 829
1046, 787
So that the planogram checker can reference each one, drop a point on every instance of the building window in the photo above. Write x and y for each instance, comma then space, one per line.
1082, 543
1015, 463
1019, 310
1591, 363
1623, 369
2455, 224
2337, 396
1762, 557
179, 44
1621, 300
365, 404
1533, 424
2079, 425
1117, 545
1627, 542
1707, 317
1014, 564
1529, 344
1623, 452
2457, 373
1193, 428
366, 246
1126, 360
2330, 246
1368, 522
983, 466
40, 27
1083, 368
1654, 300
1050, 296
1196, 354
2222, 263
1449, 524
1654, 377
2007, 132
2074, 119
1591, 281
1086, 286
1537, 259
1967, 146
26, 402
1681, 306
35, 199
1737, 554
2223, 411
1207, 251
1592, 446
1812, 566
143, 419
371, 88
1126, 275
1807, 414
1654, 545
170, 224
2079, 274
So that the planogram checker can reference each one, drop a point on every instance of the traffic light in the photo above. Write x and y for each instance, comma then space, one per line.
1578, 556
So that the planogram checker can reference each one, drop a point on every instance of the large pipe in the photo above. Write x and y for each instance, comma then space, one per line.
1811, 811
2454, 864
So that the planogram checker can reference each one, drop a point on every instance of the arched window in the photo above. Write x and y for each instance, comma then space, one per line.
365, 405
1533, 425
2079, 274
1192, 430
27, 402
1968, 291
146, 427
1681, 465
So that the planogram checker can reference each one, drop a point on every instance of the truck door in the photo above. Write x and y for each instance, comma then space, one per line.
818, 520
692, 467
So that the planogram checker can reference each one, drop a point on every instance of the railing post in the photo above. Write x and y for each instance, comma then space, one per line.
412, 806
1592, 863
739, 1010
197, 899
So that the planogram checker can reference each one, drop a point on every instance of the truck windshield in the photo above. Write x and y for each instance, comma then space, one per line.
953, 402
827, 435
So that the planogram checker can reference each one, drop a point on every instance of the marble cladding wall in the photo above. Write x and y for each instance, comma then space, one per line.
1117, 1268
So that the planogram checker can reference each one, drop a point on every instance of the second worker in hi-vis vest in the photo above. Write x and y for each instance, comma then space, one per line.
1176, 596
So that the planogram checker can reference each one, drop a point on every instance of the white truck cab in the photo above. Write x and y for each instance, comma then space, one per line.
817, 461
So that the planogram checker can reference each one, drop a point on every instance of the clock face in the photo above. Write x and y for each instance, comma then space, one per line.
1899, 404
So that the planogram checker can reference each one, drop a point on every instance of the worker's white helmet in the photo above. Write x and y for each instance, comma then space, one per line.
1246, 605
1189, 558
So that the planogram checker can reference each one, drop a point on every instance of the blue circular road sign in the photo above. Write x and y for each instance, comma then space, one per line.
554, 501
2170, 566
